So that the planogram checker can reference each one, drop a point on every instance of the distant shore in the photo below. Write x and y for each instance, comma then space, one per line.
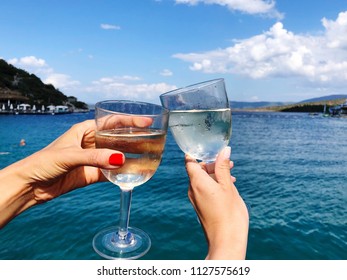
15, 112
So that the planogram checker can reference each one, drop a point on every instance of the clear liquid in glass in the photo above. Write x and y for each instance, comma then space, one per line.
201, 133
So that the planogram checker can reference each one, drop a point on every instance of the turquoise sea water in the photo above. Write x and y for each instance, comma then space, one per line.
291, 170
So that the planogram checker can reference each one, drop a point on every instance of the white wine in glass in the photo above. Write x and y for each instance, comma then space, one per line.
142, 148
138, 130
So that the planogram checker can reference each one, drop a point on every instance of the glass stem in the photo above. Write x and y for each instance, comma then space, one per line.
125, 203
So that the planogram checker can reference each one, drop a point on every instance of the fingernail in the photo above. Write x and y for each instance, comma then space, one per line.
116, 159
226, 152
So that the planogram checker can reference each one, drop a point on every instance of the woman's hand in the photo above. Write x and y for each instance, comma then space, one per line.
68, 163
220, 208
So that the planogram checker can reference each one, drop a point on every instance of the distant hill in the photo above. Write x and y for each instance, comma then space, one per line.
259, 104
316, 105
325, 98
17, 83
309, 105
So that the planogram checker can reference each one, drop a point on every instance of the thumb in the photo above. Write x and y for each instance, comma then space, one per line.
101, 158
222, 167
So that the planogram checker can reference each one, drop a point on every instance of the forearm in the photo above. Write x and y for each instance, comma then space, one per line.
15, 194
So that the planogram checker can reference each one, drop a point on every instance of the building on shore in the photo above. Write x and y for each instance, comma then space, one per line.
11, 99
13, 102
58, 109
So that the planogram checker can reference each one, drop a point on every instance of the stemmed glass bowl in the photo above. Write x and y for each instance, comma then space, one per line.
138, 130
200, 118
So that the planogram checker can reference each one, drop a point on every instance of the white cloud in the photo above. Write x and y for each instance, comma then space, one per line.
166, 73
280, 53
28, 61
114, 87
264, 7
254, 98
109, 26
60, 81
128, 87
336, 31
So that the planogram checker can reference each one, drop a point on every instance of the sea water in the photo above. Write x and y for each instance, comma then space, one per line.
290, 169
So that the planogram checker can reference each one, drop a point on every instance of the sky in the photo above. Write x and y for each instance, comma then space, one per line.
98, 50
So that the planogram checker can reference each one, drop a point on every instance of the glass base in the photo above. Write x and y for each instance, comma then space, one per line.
108, 244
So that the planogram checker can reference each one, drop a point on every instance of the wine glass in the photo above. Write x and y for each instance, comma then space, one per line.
200, 118
138, 130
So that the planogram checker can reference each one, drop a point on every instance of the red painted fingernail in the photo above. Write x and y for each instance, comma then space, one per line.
116, 159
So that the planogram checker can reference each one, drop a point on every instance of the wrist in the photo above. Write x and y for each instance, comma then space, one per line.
16, 194
227, 251
228, 244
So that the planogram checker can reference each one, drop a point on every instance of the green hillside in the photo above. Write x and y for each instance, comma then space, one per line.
310, 107
315, 105
17, 82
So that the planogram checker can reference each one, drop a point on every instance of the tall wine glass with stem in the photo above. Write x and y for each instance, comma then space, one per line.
200, 118
138, 130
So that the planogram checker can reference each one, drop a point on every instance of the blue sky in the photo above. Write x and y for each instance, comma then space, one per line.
137, 49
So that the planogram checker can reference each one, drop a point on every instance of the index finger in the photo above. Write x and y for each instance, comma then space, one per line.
122, 120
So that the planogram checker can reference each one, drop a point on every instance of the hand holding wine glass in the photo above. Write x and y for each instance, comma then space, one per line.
138, 130
200, 121
221, 210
